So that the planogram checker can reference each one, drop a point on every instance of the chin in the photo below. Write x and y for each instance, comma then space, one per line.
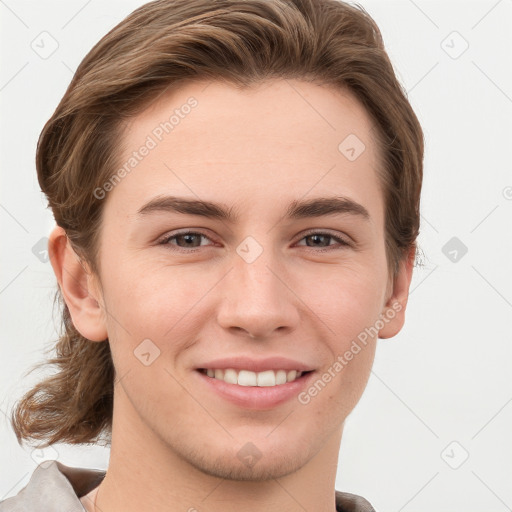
262, 469
247, 458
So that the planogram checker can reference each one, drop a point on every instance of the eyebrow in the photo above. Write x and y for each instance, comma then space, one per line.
316, 207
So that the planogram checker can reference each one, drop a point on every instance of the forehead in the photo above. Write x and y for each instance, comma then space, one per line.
280, 137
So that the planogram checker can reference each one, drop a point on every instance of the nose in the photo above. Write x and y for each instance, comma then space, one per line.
257, 299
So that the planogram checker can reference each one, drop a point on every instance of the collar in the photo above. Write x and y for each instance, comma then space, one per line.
54, 487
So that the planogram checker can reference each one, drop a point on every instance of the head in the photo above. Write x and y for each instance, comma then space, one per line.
261, 107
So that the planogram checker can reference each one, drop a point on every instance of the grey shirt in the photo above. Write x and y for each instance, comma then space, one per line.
54, 487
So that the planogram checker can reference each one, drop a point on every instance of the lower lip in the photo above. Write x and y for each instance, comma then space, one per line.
256, 397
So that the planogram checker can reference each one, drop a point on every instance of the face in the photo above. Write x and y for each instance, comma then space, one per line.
283, 269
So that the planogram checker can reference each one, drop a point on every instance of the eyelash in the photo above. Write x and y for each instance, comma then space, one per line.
343, 243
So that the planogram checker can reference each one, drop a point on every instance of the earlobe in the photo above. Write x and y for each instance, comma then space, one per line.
393, 315
78, 287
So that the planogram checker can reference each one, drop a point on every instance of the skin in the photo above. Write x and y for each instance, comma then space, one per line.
174, 442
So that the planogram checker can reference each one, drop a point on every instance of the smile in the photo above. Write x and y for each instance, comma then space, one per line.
265, 378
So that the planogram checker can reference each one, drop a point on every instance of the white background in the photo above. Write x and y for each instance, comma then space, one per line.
441, 390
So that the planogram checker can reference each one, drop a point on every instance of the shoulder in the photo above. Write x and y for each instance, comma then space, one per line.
53, 487
347, 502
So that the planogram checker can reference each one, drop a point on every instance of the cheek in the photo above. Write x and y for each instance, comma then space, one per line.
350, 306
351, 316
154, 304
348, 301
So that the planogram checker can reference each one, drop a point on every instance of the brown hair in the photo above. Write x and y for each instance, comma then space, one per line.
163, 44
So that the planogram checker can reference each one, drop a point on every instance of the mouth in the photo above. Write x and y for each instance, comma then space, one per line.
257, 391
248, 378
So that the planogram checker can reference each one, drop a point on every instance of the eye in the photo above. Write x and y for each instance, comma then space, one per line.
188, 238
320, 237
188, 241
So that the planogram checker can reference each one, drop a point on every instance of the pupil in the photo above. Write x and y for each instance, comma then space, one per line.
189, 238
317, 237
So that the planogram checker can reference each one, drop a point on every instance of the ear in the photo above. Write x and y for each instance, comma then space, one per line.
78, 286
393, 314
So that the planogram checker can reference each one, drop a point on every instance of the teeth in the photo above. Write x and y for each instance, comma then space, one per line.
247, 378
230, 376
281, 377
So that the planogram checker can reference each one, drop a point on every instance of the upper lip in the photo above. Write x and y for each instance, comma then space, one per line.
256, 365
